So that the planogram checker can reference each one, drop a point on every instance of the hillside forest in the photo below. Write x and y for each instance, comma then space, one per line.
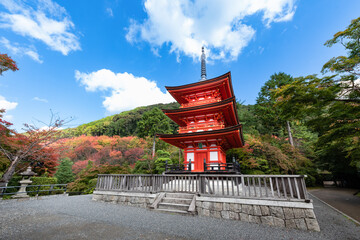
305, 125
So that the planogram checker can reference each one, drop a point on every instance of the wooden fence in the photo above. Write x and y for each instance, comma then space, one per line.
279, 187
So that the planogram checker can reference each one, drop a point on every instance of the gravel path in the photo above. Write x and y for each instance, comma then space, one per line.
342, 199
77, 217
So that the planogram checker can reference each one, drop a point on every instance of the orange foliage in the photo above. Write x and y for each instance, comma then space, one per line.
101, 150
79, 165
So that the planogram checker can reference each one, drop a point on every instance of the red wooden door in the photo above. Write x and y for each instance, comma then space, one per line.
199, 161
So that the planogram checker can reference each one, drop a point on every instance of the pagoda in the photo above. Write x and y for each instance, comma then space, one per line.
208, 123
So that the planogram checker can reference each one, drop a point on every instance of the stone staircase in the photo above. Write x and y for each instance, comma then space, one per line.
180, 203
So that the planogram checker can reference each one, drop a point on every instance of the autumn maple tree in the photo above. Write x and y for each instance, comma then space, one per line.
34, 144
6, 63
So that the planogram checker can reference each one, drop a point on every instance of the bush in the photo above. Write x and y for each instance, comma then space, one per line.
14, 181
92, 185
310, 181
86, 179
42, 181
161, 158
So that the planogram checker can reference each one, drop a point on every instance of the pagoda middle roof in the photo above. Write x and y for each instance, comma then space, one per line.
228, 107
222, 83
232, 135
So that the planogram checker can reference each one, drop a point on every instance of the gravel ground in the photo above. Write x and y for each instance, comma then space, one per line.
77, 217
342, 199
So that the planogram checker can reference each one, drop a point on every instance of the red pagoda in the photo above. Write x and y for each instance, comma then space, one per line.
208, 124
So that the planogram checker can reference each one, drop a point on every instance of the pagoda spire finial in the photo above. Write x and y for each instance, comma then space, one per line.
203, 65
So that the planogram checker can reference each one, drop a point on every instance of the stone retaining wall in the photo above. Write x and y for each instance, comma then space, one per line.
274, 213
299, 215
143, 200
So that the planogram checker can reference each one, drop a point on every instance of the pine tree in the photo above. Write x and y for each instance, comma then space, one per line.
64, 172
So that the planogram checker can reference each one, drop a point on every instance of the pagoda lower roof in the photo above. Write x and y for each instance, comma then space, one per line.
222, 83
230, 137
227, 107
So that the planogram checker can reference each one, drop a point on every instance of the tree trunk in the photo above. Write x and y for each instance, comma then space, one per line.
291, 140
9, 173
153, 148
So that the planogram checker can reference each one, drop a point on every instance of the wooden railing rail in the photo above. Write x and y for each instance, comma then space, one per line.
222, 167
279, 187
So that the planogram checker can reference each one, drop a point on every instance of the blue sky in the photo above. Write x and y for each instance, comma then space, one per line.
90, 59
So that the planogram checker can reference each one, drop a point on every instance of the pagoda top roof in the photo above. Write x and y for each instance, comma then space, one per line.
233, 136
230, 114
223, 83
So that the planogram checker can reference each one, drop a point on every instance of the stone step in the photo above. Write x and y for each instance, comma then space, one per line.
180, 195
176, 200
173, 211
173, 206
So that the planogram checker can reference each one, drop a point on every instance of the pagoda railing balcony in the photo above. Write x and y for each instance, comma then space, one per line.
222, 167
169, 168
203, 127
199, 102
208, 168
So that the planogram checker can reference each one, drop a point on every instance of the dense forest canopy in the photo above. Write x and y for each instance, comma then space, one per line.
127, 123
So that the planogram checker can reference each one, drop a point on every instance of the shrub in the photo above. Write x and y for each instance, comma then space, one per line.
86, 179
41, 181
14, 181
161, 158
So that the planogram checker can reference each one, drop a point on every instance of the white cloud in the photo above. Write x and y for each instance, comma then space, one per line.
46, 128
8, 117
15, 48
109, 11
126, 90
40, 99
7, 105
186, 25
4, 104
43, 20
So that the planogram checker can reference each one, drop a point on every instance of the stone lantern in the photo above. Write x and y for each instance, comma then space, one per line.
24, 183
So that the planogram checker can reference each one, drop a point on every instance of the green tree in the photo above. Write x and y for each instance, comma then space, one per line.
64, 172
248, 118
347, 65
152, 122
162, 157
269, 116
330, 105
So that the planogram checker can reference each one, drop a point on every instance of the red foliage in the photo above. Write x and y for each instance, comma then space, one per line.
6, 63
102, 150
49, 157
116, 154
134, 154
32, 146
80, 165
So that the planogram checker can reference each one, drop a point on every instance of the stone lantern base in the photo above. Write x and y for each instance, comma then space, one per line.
22, 191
